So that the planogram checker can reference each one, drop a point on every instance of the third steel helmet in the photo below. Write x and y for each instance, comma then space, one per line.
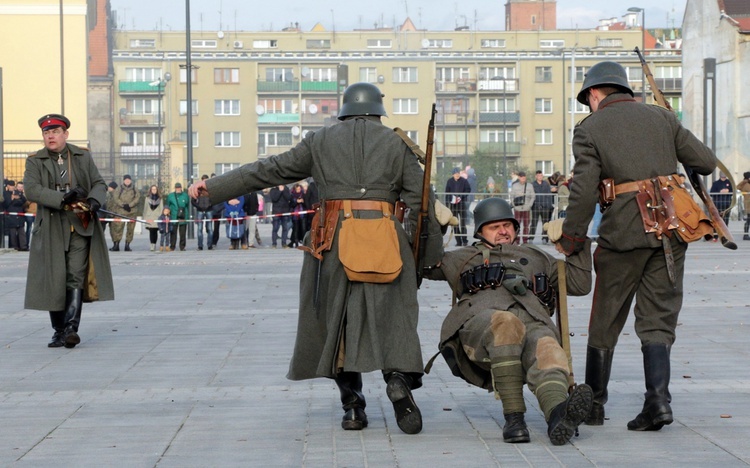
490, 210
362, 99
604, 74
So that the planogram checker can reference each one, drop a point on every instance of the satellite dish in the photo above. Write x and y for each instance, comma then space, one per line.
305, 71
123, 111
425, 43
260, 110
304, 133
295, 130
313, 109
220, 34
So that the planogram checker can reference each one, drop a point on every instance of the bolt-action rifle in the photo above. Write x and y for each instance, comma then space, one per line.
419, 246
727, 240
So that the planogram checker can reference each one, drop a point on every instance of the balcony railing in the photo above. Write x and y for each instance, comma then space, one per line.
278, 86
137, 87
141, 120
507, 85
669, 84
460, 86
500, 117
511, 148
455, 118
278, 118
319, 86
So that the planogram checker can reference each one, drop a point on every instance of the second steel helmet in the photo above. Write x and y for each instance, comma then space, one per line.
604, 74
490, 210
362, 99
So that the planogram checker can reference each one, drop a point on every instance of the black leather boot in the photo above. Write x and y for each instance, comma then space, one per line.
73, 304
127, 247
58, 323
515, 430
598, 370
398, 388
352, 400
115, 247
656, 410
568, 415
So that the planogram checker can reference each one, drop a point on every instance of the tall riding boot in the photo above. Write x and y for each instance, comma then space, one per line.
73, 304
507, 381
398, 388
656, 410
57, 318
115, 246
127, 247
598, 371
352, 400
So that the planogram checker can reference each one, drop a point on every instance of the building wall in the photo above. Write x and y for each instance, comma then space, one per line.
531, 15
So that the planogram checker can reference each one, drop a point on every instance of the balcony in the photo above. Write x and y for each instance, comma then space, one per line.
137, 87
669, 84
498, 85
319, 86
278, 86
141, 152
279, 119
317, 119
141, 120
460, 86
510, 148
500, 117
455, 118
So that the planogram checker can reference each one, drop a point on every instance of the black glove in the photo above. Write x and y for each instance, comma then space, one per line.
74, 195
94, 205
126, 207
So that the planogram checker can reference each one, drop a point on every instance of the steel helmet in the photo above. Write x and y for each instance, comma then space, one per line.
604, 74
362, 99
490, 210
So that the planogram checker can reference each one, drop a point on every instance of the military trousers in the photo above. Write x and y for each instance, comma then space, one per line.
116, 229
76, 261
640, 274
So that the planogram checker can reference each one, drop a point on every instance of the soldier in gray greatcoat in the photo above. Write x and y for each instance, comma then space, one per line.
348, 327
68, 250
499, 334
631, 143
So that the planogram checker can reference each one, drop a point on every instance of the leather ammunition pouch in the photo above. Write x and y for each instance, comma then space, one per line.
484, 276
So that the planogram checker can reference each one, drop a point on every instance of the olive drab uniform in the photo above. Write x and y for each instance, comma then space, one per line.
629, 142
347, 327
124, 202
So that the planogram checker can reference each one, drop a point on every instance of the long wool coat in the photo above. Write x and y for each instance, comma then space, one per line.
46, 275
356, 159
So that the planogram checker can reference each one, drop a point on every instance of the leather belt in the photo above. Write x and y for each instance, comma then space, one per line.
374, 205
641, 185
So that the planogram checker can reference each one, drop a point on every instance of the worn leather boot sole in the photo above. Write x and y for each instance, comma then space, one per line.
72, 339
576, 408
354, 420
408, 416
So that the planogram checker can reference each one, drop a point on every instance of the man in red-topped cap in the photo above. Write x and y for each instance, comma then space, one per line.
68, 252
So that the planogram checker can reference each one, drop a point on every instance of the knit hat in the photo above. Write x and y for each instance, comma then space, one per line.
456, 170
113, 184
746, 175
126, 177
177, 185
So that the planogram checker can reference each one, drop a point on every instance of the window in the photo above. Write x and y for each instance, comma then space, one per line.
414, 135
676, 103
318, 43
227, 139
379, 44
452, 74
405, 106
634, 73
193, 107
183, 137
608, 42
580, 74
492, 43
668, 72
488, 73
543, 136
322, 74
368, 75
203, 43
142, 170
226, 75
143, 138
142, 74
222, 168
547, 167
543, 74
495, 105
142, 106
496, 136
193, 75
405, 74
190, 175
577, 107
551, 43
265, 44
279, 74
543, 105
227, 107
276, 138
439, 44
142, 43
277, 106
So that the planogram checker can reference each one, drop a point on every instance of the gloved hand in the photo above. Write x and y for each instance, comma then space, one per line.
94, 205
444, 215
74, 195
126, 207
554, 229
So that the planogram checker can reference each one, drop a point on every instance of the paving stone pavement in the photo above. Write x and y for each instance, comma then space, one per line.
186, 368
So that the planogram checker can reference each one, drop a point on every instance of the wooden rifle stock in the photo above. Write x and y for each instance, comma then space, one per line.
423, 219
727, 240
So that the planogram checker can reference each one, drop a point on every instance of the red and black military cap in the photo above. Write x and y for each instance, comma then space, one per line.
53, 121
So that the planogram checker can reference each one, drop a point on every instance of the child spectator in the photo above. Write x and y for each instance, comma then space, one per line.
165, 229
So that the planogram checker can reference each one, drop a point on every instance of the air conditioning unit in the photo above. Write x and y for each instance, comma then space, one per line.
238, 44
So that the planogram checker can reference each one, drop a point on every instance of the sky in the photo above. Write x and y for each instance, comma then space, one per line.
346, 15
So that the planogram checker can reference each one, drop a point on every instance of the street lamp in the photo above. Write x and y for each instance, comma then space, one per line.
642, 11
160, 84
